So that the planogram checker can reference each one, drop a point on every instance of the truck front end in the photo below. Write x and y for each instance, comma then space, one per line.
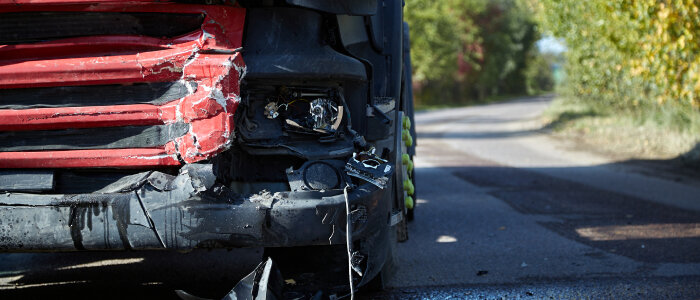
178, 125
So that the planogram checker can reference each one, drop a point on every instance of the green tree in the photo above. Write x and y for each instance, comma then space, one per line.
628, 53
508, 34
439, 31
471, 49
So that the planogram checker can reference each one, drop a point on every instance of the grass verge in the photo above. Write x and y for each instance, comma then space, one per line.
658, 132
491, 99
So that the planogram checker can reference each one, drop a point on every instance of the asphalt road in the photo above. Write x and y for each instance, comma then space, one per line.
503, 211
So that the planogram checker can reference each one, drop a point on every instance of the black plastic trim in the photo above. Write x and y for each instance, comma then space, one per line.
31, 27
92, 138
155, 93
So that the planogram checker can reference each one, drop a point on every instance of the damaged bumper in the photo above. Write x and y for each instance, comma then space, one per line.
154, 210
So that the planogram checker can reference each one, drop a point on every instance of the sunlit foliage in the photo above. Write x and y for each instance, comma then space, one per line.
631, 52
473, 49
439, 32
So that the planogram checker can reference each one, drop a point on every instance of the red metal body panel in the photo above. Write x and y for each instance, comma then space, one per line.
115, 158
141, 67
83, 117
208, 57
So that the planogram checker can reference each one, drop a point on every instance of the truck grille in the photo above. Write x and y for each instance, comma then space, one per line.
115, 85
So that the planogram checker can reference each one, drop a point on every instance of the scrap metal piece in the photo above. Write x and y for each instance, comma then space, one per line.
356, 260
187, 296
264, 197
369, 167
264, 283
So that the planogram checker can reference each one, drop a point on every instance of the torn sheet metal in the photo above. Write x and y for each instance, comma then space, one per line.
149, 210
356, 261
369, 167
154, 210
265, 282
207, 61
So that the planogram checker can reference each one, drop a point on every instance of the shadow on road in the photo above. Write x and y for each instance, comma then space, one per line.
609, 221
123, 275
483, 227
481, 223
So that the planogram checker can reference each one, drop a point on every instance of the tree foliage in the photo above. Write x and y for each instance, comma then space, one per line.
628, 53
439, 31
508, 36
466, 49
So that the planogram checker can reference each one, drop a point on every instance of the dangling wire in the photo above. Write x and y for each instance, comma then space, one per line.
348, 240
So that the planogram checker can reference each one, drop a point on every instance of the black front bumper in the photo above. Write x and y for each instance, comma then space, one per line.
153, 210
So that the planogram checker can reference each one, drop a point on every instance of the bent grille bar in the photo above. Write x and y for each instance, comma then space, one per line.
145, 101
166, 65
84, 117
104, 158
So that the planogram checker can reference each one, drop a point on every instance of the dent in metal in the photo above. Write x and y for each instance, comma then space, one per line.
149, 210
208, 61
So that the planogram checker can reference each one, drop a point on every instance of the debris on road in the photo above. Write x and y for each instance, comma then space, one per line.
264, 283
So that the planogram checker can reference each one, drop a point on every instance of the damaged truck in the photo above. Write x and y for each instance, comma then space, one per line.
151, 124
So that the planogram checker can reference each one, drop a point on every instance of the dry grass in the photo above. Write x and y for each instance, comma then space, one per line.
645, 134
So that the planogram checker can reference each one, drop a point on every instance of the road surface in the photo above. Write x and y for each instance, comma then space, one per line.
503, 211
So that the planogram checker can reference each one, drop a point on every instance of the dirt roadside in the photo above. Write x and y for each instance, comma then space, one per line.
618, 138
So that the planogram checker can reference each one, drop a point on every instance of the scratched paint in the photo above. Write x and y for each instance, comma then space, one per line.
208, 57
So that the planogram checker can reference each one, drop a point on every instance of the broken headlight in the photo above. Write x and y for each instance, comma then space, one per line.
305, 112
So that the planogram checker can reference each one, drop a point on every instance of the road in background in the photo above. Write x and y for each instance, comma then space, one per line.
503, 210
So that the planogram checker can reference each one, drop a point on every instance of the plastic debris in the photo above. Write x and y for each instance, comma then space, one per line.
369, 167
263, 283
